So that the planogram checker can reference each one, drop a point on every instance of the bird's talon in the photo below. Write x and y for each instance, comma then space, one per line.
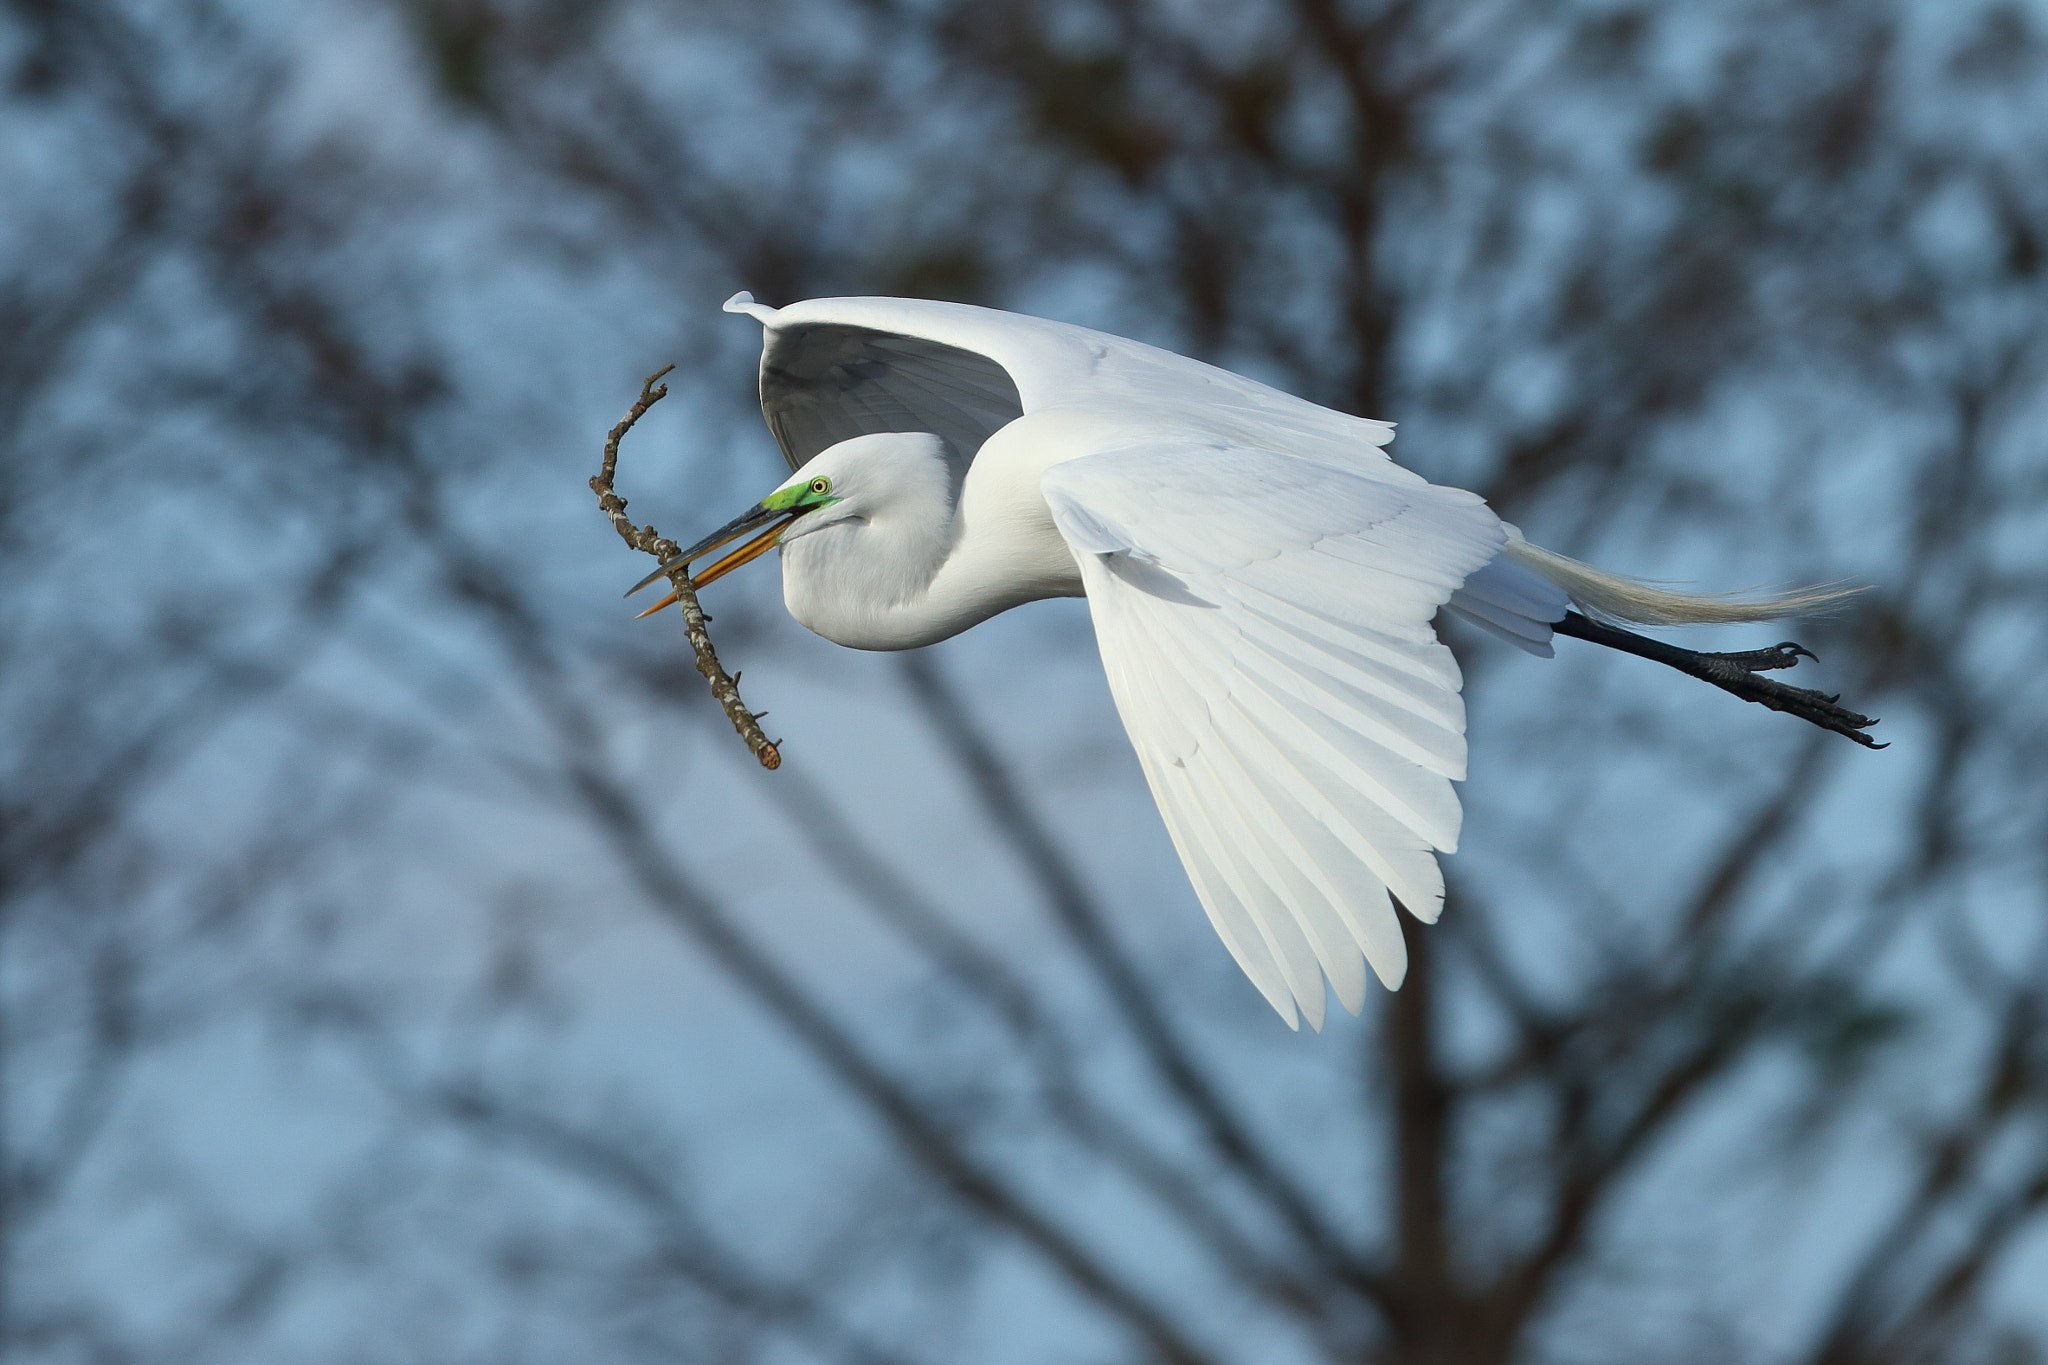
1785, 654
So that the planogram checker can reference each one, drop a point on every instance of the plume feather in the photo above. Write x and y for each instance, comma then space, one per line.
1622, 600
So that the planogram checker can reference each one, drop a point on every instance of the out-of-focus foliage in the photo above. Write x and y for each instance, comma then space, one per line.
383, 925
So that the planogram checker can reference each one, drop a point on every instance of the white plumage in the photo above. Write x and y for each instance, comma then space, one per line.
1262, 580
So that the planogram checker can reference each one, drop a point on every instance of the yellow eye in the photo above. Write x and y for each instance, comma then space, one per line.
821, 486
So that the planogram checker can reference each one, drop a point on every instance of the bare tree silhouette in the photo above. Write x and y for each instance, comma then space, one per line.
1752, 290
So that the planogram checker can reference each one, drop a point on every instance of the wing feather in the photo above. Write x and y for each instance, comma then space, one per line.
828, 382
1264, 622
1420, 704
1437, 670
1357, 895
1315, 684
1300, 888
1514, 602
1283, 928
1265, 952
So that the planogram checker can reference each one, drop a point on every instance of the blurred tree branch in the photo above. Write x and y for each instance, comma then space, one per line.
1776, 303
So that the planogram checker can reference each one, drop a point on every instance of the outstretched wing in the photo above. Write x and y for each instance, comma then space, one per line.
1265, 624
833, 369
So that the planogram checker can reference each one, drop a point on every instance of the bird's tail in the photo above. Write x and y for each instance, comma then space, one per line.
1632, 601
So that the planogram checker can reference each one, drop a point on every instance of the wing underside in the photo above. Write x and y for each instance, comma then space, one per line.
1265, 625
826, 383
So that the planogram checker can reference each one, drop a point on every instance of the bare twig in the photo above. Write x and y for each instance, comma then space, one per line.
648, 541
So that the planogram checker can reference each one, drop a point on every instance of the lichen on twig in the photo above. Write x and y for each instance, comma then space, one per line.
646, 540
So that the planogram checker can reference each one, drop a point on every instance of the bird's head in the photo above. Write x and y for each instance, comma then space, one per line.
861, 480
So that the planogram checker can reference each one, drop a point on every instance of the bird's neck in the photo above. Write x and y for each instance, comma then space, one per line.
928, 567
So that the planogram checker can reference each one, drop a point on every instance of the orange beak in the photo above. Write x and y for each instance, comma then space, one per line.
725, 534
746, 554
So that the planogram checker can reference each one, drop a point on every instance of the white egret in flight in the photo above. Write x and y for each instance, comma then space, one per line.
1262, 579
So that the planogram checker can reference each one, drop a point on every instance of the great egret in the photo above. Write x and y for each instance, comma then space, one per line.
1262, 580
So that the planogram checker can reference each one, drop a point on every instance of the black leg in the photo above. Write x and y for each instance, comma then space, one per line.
1736, 673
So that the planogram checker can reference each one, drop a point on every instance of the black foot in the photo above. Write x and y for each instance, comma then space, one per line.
1783, 655
1737, 674
1816, 707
